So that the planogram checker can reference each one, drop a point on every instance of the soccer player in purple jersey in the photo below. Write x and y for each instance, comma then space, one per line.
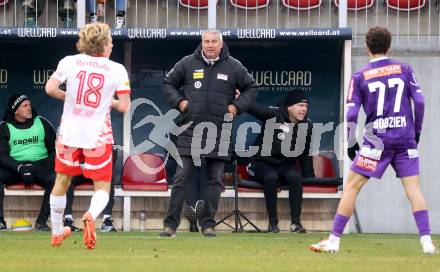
384, 88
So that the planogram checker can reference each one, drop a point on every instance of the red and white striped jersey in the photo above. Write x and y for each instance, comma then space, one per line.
91, 83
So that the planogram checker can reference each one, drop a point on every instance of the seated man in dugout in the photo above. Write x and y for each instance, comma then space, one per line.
27, 151
275, 169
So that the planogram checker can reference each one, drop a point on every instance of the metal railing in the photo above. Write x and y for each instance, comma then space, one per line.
416, 27
37, 13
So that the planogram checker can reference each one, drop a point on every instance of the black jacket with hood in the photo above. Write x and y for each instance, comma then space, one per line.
209, 90
304, 138
49, 140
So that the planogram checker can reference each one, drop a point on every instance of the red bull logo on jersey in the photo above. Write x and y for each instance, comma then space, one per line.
93, 64
366, 163
383, 71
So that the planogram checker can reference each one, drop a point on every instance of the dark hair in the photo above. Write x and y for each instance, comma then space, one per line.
378, 40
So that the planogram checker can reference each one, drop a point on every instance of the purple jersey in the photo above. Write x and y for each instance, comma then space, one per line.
384, 88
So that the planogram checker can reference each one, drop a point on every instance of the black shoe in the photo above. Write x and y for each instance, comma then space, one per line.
3, 224
168, 232
190, 214
107, 225
41, 226
297, 228
209, 232
273, 228
200, 209
193, 228
68, 222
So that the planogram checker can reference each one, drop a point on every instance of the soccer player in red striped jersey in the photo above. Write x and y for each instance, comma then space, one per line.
85, 139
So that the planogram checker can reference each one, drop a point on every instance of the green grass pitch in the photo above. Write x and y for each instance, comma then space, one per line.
228, 252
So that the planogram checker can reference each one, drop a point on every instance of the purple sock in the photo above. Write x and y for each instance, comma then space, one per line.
339, 224
422, 222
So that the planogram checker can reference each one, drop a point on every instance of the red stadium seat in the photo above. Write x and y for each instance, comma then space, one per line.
86, 186
356, 5
249, 4
22, 186
302, 4
323, 167
406, 5
326, 179
242, 173
194, 4
144, 172
246, 184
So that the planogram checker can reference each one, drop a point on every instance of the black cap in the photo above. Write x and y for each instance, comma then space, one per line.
294, 98
15, 101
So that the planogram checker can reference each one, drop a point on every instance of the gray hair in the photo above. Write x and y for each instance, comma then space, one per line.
214, 31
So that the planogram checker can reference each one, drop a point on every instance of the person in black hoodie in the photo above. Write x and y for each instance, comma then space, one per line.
202, 87
27, 151
273, 166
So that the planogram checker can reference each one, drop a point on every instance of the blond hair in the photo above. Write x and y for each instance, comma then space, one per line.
92, 38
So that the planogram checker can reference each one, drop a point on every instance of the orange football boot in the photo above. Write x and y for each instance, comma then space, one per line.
89, 231
57, 240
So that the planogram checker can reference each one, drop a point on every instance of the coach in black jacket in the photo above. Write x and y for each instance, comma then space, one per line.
202, 86
271, 167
